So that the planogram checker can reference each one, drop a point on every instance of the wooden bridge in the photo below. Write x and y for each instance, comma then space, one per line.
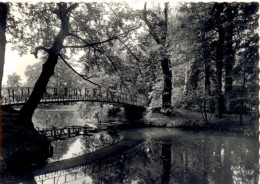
18, 96
66, 132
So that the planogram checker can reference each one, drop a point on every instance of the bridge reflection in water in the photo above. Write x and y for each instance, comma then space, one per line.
18, 96
89, 173
195, 159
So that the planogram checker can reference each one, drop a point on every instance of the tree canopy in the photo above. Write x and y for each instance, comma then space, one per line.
200, 56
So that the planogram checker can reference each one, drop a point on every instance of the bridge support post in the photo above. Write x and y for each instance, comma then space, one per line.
9, 95
55, 134
68, 132
13, 93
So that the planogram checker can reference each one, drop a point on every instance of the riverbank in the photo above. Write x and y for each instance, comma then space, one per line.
190, 120
22, 146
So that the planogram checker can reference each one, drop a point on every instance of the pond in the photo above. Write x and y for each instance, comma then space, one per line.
162, 155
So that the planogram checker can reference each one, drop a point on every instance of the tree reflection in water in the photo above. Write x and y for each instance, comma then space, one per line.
79, 145
195, 159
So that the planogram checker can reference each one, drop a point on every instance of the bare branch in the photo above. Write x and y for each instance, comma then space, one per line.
35, 53
150, 26
82, 76
78, 37
97, 43
166, 17
73, 6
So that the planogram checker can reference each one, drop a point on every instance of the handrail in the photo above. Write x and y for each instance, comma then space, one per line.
19, 95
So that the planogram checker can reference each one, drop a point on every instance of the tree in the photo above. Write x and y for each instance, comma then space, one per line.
61, 12
62, 78
3, 19
14, 80
158, 28
77, 32
218, 35
233, 20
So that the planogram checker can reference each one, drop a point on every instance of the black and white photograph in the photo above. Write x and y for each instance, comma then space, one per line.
129, 92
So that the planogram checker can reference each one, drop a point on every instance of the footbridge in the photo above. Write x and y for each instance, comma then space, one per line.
19, 95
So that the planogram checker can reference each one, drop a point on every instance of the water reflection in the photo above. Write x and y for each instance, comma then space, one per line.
60, 116
173, 157
80, 145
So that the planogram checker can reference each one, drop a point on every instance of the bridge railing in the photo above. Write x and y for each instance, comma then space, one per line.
21, 95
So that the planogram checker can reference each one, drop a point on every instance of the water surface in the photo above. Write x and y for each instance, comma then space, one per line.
170, 156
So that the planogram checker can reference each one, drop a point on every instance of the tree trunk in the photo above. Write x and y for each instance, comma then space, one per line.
166, 156
3, 17
167, 88
219, 67
186, 77
229, 60
207, 75
242, 96
39, 89
206, 101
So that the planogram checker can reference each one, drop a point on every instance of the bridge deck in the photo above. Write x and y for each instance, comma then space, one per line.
18, 96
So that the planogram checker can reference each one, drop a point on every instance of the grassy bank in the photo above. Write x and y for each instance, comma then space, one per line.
191, 120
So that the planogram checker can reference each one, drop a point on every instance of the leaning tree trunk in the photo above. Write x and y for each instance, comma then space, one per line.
3, 17
39, 89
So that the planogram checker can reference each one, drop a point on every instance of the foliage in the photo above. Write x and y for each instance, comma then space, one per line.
14, 80
202, 23
164, 51
63, 76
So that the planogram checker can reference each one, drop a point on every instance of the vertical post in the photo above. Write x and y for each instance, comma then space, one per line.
28, 90
13, 93
54, 133
85, 172
65, 91
94, 92
101, 95
9, 95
